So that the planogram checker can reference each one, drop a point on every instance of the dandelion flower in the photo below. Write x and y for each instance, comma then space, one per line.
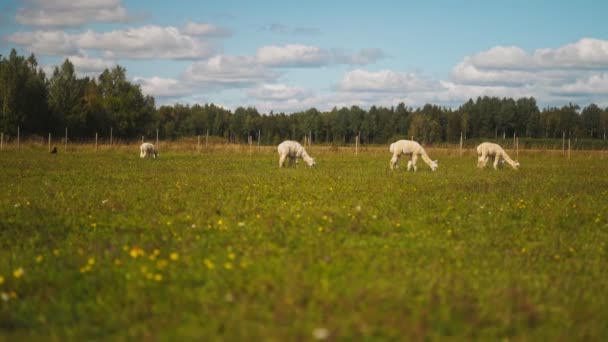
18, 273
39, 259
209, 264
174, 256
1, 280
158, 277
91, 261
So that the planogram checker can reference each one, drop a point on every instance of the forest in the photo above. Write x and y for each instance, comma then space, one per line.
38, 104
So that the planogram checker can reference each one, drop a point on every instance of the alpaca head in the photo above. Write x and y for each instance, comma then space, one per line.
311, 162
516, 165
434, 165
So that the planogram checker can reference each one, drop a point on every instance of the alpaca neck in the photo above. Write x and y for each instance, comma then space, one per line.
508, 159
425, 157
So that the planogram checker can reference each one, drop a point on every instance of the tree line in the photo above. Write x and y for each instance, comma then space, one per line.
39, 105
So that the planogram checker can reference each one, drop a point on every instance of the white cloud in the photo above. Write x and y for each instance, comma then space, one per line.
45, 42
66, 13
594, 84
383, 81
90, 66
162, 87
299, 55
148, 41
584, 54
278, 92
205, 29
145, 42
292, 55
235, 71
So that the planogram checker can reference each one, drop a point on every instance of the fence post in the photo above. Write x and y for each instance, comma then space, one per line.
157, 145
1, 140
110, 136
357, 145
49, 142
18, 139
66, 140
569, 148
461, 143
198, 143
95, 142
207, 140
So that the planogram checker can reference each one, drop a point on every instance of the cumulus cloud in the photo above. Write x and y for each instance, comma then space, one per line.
292, 55
148, 41
513, 65
299, 55
279, 92
205, 29
162, 87
237, 71
383, 81
594, 84
67, 13
143, 42
90, 65
45, 42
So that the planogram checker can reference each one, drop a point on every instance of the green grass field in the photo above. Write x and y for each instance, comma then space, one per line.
224, 245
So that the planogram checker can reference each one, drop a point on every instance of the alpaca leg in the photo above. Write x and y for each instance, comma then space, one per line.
282, 161
484, 163
496, 161
394, 161
409, 165
414, 160
480, 161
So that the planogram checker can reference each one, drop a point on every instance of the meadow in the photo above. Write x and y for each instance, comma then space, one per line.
224, 245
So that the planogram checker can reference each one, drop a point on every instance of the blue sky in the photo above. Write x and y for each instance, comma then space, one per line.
288, 56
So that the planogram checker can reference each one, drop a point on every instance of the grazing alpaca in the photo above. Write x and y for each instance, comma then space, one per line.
148, 150
413, 149
486, 150
294, 151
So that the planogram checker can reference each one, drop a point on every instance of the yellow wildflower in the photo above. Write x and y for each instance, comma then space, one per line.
209, 264
174, 256
1, 280
18, 273
39, 259
158, 277
162, 263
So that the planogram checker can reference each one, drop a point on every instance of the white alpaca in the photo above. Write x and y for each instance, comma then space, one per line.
413, 149
148, 150
486, 150
294, 151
